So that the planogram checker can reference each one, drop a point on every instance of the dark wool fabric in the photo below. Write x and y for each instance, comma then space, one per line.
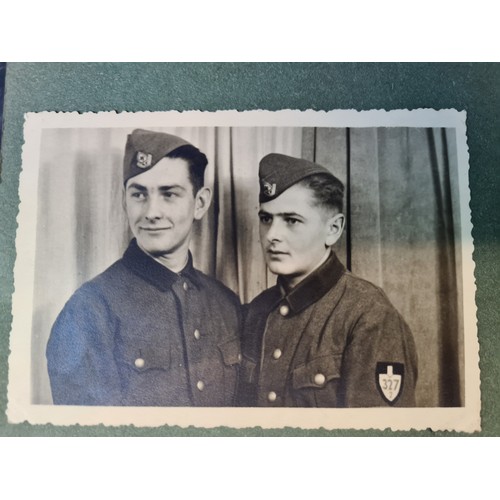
324, 344
277, 172
139, 334
145, 148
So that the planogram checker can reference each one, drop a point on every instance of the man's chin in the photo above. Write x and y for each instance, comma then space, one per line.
279, 268
155, 250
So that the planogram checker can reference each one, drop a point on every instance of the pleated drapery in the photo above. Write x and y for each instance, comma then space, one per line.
403, 230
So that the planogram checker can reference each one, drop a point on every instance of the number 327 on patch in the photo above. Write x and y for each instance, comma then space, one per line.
390, 377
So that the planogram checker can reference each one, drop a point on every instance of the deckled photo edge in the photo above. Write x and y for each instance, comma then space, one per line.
20, 355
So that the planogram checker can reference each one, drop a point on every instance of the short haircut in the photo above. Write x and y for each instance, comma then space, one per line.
328, 191
197, 162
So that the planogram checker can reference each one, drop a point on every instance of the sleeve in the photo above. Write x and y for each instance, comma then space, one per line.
80, 360
380, 362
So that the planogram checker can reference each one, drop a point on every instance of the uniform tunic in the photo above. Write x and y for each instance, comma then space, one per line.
334, 340
139, 334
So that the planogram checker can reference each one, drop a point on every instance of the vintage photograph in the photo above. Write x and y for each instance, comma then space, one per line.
302, 269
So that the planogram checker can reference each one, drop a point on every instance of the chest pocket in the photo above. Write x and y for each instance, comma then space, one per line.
145, 357
315, 383
317, 372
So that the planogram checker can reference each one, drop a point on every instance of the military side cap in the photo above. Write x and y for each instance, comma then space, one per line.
145, 148
278, 172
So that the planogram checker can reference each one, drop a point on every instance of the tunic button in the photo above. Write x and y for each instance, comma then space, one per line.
319, 379
240, 357
284, 310
200, 385
277, 354
197, 334
271, 397
139, 363
185, 286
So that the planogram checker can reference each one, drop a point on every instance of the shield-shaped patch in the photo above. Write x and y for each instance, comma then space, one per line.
390, 378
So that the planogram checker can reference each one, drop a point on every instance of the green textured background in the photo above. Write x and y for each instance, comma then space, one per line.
244, 86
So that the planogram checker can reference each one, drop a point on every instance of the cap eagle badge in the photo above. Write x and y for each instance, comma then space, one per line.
143, 160
268, 188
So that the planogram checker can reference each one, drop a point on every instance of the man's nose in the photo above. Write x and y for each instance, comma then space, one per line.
153, 208
274, 231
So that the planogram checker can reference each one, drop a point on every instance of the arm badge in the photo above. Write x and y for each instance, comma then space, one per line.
389, 379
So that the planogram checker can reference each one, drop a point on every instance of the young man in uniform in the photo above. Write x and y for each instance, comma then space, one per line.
321, 337
151, 330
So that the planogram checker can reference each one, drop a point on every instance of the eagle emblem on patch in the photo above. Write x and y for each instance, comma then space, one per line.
389, 377
268, 188
143, 160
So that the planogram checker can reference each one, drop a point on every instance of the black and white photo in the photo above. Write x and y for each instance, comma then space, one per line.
304, 269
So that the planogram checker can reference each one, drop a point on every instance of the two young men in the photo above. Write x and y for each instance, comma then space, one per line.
152, 330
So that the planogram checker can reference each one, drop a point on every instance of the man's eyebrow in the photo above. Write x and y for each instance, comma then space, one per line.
290, 214
169, 188
281, 214
139, 187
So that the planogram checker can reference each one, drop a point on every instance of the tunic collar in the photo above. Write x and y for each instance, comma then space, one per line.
314, 286
153, 272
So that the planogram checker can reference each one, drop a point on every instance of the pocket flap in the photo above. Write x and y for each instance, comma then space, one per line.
145, 358
317, 372
231, 352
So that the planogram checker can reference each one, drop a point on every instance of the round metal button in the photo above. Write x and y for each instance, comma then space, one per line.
319, 379
284, 310
200, 385
197, 334
185, 286
271, 397
139, 363
277, 354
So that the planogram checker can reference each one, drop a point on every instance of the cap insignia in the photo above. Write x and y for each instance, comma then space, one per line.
143, 160
269, 189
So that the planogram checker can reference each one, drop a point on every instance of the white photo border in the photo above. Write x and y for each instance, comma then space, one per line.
20, 408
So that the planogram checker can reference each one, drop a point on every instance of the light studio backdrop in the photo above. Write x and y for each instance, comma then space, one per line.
403, 230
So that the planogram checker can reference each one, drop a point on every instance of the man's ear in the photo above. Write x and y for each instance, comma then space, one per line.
202, 201
335, 227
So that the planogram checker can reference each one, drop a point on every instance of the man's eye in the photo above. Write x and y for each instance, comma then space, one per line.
291, 221
138, 195
265, 219
169, 194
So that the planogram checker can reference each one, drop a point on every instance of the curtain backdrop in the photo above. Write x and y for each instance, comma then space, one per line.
403, 230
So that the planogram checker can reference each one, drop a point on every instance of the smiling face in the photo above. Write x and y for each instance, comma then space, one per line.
161, 208
296, 234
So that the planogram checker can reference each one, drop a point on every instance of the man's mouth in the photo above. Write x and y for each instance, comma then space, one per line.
154, 229
276, 252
